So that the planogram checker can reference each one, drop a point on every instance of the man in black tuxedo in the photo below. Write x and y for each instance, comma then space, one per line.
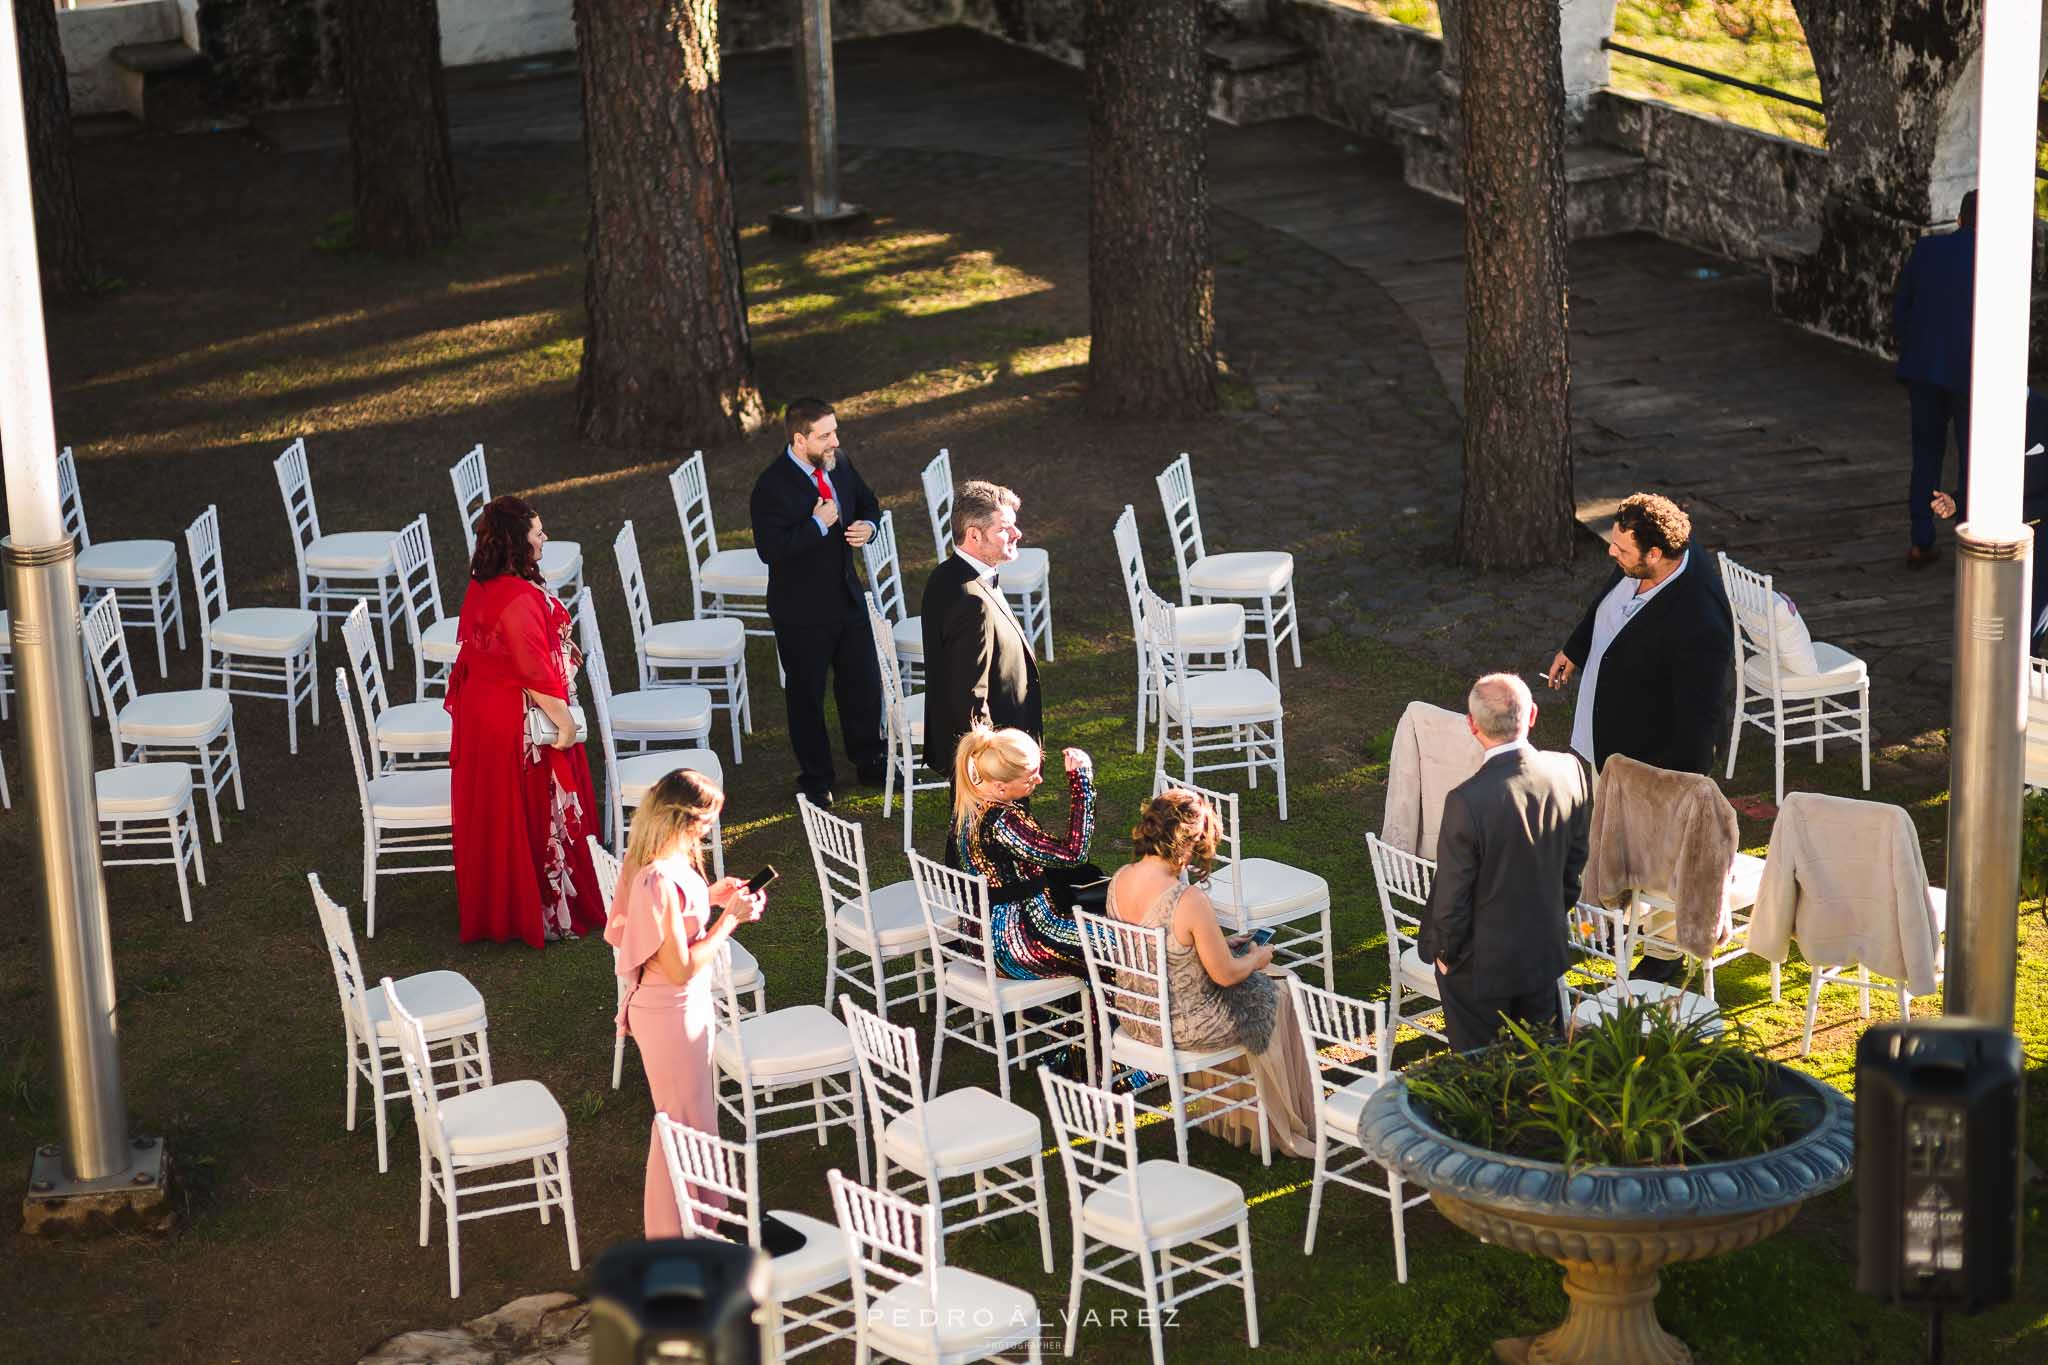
1510, 853
978, 668
811, 510
1655, 655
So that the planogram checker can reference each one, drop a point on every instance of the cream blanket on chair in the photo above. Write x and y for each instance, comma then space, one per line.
1433, 752
1665, 834
1846, 878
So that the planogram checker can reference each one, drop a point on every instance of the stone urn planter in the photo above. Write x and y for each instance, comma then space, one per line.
1613, 1228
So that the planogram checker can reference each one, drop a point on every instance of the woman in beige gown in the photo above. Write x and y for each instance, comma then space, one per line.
1219, 997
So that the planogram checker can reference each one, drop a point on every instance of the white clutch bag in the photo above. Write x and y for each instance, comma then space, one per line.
541, 732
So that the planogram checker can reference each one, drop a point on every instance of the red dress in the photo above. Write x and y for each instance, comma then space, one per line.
521, 811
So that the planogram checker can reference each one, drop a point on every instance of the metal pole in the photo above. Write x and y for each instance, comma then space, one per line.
1987, 742
42, 593
820, 108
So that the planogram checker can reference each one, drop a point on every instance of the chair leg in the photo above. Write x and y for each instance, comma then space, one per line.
1400, 1216
1812, 1009
454, 1239
938, 1033
540, 1188
369, 880
1074, 1279
1178, 1099
1251, 1295
1863, 729
1778, 745
1044, 1217
234, 761
1150, 1273
1315, 1196
1735, 730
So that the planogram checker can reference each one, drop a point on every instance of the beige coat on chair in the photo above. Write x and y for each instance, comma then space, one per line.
1666, 834
1433, 752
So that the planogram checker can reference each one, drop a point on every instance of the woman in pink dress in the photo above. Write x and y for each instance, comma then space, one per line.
669, 928
521, 809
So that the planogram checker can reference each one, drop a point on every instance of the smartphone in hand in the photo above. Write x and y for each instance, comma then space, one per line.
760, 879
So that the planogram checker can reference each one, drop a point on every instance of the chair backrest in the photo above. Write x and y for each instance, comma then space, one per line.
70, 506
716, 1182
607, 868
1347, 1041
597, 678
730, 1011
956, 915
355, 742
107, 647
1183, 519
885, 568
633, 581
340, 937
938, 501
1130, 557
472, 490
418, 583
1162, 642
692, 493
892, 1245
1404, 880
1603, 941
840, 856
1127, 976
209, 576
894, 705
1750, 605
295, 482
412, 1051
361, 648
1228, 849
889, 1073
2037, 677
1097, 1134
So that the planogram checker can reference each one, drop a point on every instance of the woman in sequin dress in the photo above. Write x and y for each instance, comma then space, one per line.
994, 771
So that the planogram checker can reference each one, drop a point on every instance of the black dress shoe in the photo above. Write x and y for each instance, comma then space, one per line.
874, 774
1920, 556
821, 799
1660, 969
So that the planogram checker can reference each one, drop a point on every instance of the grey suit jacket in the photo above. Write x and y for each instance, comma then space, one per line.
1509, 854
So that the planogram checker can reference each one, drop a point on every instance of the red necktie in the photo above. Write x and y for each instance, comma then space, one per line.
824, 489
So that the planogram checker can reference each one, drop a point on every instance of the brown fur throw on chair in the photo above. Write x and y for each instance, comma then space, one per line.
1665, 834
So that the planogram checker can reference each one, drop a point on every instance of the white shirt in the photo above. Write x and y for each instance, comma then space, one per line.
982, 571
811, 473
1512, 746
1616, 610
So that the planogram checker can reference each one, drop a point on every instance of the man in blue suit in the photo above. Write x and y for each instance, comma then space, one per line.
1931, 314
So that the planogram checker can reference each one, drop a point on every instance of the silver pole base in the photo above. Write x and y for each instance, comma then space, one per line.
136, 1198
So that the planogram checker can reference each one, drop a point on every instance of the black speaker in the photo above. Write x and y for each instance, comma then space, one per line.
678, 1299
1938, 1110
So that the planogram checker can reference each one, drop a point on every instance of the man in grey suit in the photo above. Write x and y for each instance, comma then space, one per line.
1510, 851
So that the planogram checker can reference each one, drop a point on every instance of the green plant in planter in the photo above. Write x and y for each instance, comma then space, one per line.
1637, 1087
2034, 850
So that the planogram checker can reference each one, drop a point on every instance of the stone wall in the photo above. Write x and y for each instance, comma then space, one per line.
1363, 67
474, 31
89, 37
750, 25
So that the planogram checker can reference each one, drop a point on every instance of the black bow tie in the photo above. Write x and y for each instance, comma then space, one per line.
995, 582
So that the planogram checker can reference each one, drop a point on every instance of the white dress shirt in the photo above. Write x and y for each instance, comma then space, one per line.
1512, 746
982, 571
1616, 610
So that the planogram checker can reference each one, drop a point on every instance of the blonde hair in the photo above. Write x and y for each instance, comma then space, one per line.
676, 813
986, 755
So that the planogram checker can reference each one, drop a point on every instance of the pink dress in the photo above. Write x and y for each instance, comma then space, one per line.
673, 1024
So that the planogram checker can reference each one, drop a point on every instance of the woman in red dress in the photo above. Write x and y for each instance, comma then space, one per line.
522, 810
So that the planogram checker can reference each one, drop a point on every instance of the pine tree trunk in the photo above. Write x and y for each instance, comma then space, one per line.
398, 127
1152, 349
46, 100
667, 360
1518, 508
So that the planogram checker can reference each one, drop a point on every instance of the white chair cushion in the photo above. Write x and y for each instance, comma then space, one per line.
560, 560
968, 986
913, 709
415, 726
362, 554
265, 630
417, 795
974, 1314
1180, 1201
662, 711
909, 637
1151, 1057
795, 1038
1692, 1007
637, 775
127, 561
899, 919
715, 638
1220, 698
1273, 890
1416, 974
1027, 572
1839, 671
735, 571
142, 789
818, 1264
1247, 573
438, 641
1795, 641
511, 1117
444, 1001
1343, 1107
1210, 627
968, 1127
199, 714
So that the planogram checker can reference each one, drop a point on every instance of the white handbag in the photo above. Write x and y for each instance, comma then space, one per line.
541, 731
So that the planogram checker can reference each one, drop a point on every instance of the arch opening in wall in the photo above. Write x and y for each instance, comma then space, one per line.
1760, 42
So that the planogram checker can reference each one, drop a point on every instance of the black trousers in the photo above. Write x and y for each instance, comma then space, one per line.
1472, 1020
845, 650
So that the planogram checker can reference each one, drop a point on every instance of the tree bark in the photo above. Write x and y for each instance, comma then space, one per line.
46, 99
667, 359
1151, 283
1517, 508
398, 127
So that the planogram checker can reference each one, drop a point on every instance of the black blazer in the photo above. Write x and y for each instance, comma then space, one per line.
811, 578
1509, 856
1666, 683
978, 667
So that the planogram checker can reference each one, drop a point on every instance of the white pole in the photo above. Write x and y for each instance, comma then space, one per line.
28, 432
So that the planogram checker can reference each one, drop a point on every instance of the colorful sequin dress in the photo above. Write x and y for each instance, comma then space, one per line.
1032, 937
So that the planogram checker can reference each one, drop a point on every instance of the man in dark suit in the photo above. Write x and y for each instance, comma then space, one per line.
811, 510
978, 668
1932, 311
1510, 853
1655, 655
